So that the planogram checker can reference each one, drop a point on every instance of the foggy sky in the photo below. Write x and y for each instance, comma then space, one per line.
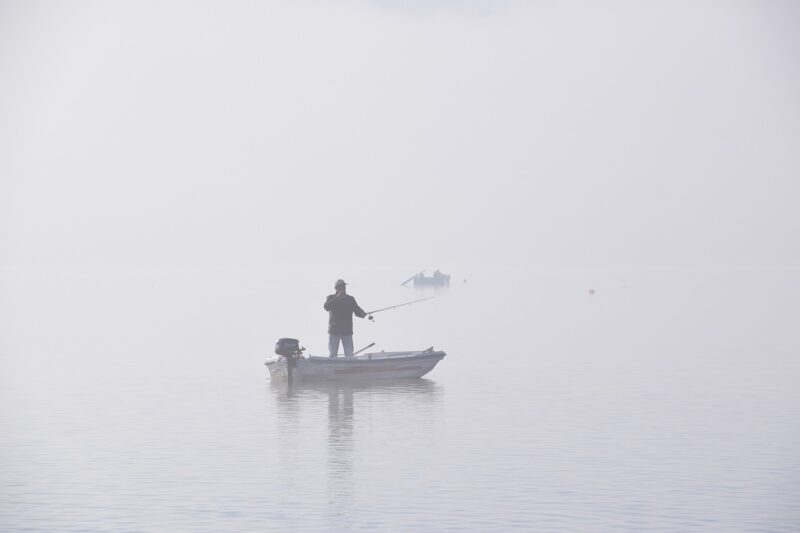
542, 133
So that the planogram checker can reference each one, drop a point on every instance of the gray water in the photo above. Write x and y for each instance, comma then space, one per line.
665, 400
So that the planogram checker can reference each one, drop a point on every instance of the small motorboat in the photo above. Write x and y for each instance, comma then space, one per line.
291, 364
436, 280
432, 281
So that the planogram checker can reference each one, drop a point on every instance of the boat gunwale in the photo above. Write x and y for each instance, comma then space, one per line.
322, 360
383, 359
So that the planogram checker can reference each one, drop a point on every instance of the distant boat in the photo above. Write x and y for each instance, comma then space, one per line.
370, 366
442, 280
437, 280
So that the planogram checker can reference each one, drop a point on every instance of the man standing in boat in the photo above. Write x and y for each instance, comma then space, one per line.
341, 307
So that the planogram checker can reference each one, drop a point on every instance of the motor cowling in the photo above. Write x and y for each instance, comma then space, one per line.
287, 347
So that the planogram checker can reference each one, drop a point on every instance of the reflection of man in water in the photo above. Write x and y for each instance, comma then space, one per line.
341, 307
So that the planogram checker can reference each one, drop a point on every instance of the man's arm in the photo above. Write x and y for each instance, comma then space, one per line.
328, 300
357, 310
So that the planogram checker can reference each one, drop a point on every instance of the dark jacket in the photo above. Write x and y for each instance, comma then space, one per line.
340, 314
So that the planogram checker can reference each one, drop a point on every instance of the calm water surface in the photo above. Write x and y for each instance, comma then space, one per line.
133, 400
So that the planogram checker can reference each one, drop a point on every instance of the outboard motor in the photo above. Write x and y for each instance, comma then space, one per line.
291, 350
287, 347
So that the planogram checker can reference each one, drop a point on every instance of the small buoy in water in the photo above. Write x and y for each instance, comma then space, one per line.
591, 291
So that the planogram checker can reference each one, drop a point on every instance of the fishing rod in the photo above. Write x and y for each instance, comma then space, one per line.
359, 351
369, 314
364, 348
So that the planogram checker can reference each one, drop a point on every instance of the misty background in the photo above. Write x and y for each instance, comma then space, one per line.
245, 134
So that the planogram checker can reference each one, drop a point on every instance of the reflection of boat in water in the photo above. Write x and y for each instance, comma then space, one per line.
370, 366
353, 409
313, 390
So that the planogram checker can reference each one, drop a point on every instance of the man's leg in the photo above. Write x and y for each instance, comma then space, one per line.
333, 344
347, 344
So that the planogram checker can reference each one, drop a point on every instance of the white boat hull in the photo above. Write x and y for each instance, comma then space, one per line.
371, 366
